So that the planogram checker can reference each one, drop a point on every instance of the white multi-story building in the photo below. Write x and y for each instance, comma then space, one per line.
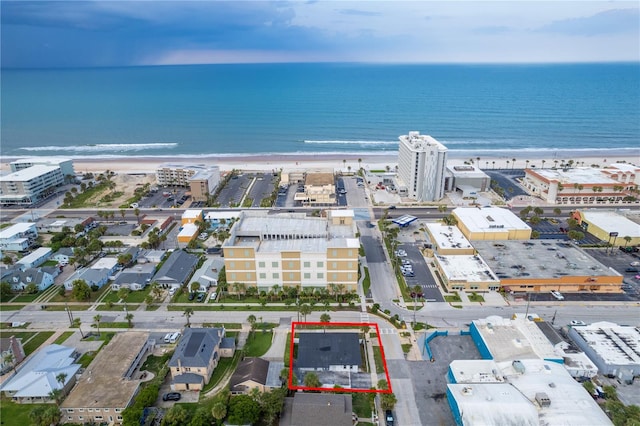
65, 164
27, 186
202, 180
421, 166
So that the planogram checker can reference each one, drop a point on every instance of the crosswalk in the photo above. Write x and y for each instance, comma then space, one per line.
388, 331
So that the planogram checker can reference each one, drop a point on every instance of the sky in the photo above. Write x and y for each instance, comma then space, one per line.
44, 34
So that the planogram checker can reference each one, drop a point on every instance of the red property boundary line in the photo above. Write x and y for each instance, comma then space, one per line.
335, 325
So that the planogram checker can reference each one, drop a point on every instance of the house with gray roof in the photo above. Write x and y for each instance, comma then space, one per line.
195, 357
39, 375
63, 255
251, 373
11, 353
317, 409
176, 270
135, 278
19, 279
328, 351
98, 277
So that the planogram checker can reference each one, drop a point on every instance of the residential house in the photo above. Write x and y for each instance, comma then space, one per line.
97, 277
195, 357
317, 409
110, 383
52, 367
207, 275
176, 270
328, 351
63, 255
252, 373
153, 256
18, 237
20, 279
11, 353
135, 278
35, 258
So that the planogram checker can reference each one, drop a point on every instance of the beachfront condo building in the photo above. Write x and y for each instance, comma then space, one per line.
612, 185
422, 162
292, 250
29, 185
65, 164
200, 179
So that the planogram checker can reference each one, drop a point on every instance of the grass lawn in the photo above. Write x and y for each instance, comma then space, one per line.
287, 349
71, 307
224, 365
26, 298
94, 295
453, 298
406, 347
86, 359
201, 307
258, 343
114, 324
24, 335
155, 363
36, 341
226, 325
152, 307
475, 297
377, 356
64, 336
105, 307
16, 414
5, 307
136, 296
361, 405
366, 282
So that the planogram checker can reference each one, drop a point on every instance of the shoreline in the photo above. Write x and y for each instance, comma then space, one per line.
374, 160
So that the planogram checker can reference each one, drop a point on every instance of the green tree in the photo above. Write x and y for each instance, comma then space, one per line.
188, 312
194, 286
80, 290
557, 210
243, 410
311, 380
271, 404
325, 318
31, 288
388, 401
129, 318
251, 319
202, 417
5, 291
96, 320
123, 293
7, 260
219, 411
176, 416
305, 310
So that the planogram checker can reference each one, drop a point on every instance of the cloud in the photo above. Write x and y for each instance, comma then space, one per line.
615, 21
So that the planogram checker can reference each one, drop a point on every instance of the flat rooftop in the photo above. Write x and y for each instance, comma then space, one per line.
102, 384
466, 268
536, 259
307, 245
580, 175
18, 228
447, 237
616, 344
611, 221
476, 371
489, 219
192, 214
29, 173
417, 142
188, 230
518, 338
466, 171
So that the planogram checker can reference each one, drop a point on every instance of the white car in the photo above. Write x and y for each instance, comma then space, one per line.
557, 295
576, 322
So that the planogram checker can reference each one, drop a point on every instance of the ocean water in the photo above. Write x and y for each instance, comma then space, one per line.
218, 110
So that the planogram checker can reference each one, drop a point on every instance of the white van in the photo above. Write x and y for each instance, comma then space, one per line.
174, 337
167, 337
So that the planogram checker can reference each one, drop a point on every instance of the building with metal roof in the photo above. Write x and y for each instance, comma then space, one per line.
404, 220
615, 349
18, 237
38, 376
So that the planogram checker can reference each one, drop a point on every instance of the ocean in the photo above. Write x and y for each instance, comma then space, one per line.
230, 110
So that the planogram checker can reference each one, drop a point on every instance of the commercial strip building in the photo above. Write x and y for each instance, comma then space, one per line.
490, 223
466, 272
109, 383
290, 249
422, 164
202, 180
448, 240
615, 184
615, 349
543, 265
610, 226
30, 185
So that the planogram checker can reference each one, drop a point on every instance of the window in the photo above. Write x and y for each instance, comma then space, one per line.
247, 265
334, 265
320, 275
290, 265
69, 410
349, 265
81, 410
349, 276
349, 252
80, 418
263, 275
276, 275
334, 253
249, 275
261, 264
247, 252
307, 264
290, 275
274, 264
232, 265
98, 417
90, 410
118, 410
320, 264
230, 252
307, 276
106, 410
334, 276
233, 276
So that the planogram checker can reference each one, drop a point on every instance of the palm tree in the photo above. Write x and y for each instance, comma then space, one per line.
627, 239
543, 161
251, 319
526, 162
219, 411
507, 164
305, 310
344, 163
275, 290
514, 163
137, 213
122, 213
187, 313
493, 164
96, 320
9, 359
325, 318
359, 163
129, 318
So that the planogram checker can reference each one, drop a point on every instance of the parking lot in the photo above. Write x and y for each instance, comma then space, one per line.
422, 274
506, 179
558, 231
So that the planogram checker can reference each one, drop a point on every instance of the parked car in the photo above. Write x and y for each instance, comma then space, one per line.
631, 269
388, 418
192, 295
576, 322
392, 207
200, 297
557, 295
171, 396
